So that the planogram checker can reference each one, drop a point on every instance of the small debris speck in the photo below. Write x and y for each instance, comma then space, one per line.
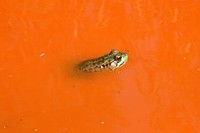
35, 129
10, 76
4, 126
102, 122
42, 54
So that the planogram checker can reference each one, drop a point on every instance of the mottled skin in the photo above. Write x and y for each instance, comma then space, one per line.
109, 61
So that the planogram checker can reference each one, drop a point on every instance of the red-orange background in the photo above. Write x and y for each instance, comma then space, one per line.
157, 91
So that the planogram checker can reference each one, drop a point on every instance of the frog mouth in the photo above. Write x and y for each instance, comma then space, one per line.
121, 64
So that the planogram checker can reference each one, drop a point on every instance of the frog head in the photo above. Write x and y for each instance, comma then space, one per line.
119, 59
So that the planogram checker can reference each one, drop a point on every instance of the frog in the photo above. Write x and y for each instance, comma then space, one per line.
110, 61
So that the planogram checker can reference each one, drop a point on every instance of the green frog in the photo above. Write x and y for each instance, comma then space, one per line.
110, 61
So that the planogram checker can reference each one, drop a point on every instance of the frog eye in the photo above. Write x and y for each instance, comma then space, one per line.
118, 57
114, 51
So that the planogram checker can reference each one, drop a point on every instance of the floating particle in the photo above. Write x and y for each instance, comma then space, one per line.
35, 129
42, 54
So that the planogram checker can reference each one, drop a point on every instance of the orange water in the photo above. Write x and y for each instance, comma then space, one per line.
157, 91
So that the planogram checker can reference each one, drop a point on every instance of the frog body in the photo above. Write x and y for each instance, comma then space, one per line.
110, 61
